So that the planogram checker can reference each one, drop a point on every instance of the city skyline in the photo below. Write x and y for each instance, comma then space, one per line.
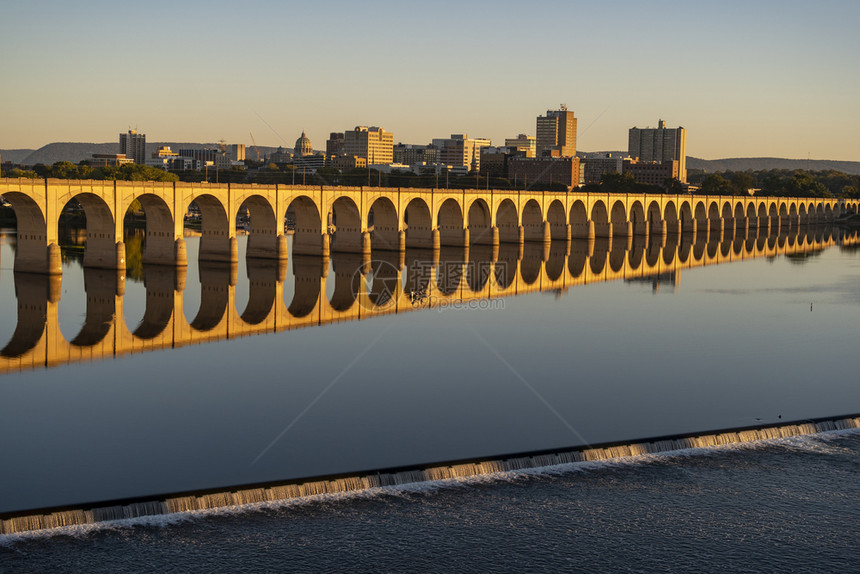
769, 79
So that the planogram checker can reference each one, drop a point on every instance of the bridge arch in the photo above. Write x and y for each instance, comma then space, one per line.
578, 220
555, 217
480, 223
304, 221
532, 221
671, 217
618, 219
701, 214
419, 224
386, 225
263, 229
638, 223
101, 242
686, 216
655, 217
32, 232
600, 218
346, 222
772, 212
507, 220
713, 216
215, 232
160, 244
450, 223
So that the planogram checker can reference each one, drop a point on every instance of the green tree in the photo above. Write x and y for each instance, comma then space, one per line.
741, 182
20, 173
673, 186
850, 192
617, 182
715, 184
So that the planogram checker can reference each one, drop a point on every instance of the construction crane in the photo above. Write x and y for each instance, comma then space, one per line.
256, 151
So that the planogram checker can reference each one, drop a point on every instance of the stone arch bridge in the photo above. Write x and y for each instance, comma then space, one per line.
347, 219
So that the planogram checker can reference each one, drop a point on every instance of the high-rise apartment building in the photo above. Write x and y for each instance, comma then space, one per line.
556, 133
133, 146
372, 143
656, 145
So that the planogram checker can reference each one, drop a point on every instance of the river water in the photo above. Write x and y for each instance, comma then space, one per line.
743, 343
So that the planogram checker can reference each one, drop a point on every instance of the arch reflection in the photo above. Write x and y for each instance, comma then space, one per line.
367, 284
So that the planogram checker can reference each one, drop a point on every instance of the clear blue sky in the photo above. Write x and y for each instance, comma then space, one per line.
746, 78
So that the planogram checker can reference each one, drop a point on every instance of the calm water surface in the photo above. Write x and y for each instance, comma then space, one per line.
736, 344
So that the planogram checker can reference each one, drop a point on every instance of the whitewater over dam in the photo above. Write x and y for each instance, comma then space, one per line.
239, 496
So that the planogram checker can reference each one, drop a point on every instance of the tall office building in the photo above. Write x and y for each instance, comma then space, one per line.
656, 145
523, 143
556, 133
133, 145
372, 143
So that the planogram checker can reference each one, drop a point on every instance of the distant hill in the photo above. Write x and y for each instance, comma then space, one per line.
76, 152
760, 163
15, 155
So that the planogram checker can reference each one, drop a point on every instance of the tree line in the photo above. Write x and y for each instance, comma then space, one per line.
69, 170
780, 182
773, 182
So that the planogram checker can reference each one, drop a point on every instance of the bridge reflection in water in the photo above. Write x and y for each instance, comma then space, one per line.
355, 286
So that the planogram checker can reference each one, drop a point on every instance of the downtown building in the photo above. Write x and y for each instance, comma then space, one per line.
652, 173
545, 170
133, 146
556, 133
371, 143
416, 154
594, 165
461, 151
660, 144
523, 143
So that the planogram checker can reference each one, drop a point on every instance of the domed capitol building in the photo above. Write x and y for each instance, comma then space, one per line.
303, 146
304, 157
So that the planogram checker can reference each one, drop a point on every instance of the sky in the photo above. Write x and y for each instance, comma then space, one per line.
745, 78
